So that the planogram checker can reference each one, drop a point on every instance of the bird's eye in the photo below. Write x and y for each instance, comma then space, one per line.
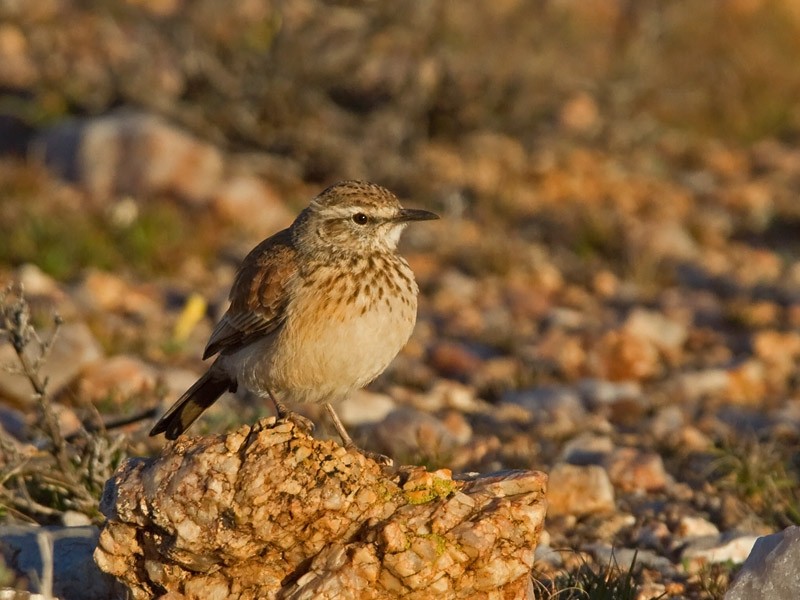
360, 218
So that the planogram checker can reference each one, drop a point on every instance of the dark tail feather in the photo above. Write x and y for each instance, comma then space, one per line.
191, 405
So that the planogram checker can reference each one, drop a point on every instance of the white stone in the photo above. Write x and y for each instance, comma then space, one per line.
365, 407
717, 549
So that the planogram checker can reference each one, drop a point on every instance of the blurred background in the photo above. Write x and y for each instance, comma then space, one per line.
615, 282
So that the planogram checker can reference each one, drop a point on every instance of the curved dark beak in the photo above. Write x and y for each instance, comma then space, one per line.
416, 214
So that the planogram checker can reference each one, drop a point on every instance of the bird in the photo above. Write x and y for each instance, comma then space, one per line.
317, 310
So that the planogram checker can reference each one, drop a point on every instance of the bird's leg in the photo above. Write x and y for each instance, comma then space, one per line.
349, 444
304, 424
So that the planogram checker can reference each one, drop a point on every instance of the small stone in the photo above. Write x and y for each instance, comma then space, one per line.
447, 393
587, 449
75, 574
252, 205
452, 359
74, 348
747, 383
363, 407
621, 355
667, 334
694, 385
17, 67
115, 379
633, 470
407, 432
580, 114
575, 490
548, 555
105, 292
695, 527
560, 406
131, 154
732, 547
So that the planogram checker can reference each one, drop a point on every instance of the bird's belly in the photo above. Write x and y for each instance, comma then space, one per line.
324, 359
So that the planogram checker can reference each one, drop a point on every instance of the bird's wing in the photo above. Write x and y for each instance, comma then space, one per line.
258, 297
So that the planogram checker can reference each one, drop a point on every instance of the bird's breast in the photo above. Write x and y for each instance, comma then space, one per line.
343, 328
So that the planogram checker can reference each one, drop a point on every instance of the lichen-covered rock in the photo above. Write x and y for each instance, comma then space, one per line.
268, 512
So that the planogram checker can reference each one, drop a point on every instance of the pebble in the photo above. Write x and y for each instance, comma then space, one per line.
115, 379
667, 334
732, 546
695, 527
587, 449
252, 205
75, 574
632, 470
129, 153
407, 432
560, 406
620, 355
103, 292
363, 407
579, 490
74, 348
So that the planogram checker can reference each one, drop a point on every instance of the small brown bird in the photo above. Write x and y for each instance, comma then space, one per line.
317, 311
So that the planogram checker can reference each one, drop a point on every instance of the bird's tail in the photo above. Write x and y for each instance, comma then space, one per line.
191, 405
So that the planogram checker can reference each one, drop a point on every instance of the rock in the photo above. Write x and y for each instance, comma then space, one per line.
363, 407
730, 546
75, 575
74, 348
546, 554
621, 355
587, 449
252, 205
17, 68
108, 293
131, 154
632, 470
665, 333
696, 384
115, 380
770, 571
597, 392
452, 359
560, 406
622, 401
695, 527
13, 424
580, 114
575, 490
747, 383
267, 511
447, 393
408, 432
36, 282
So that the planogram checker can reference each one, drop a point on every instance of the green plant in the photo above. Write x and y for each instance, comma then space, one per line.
593, 582
764, 475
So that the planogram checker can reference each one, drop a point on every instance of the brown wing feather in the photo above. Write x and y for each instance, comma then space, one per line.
258, 296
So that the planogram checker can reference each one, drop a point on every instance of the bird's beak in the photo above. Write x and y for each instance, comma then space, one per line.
416, 214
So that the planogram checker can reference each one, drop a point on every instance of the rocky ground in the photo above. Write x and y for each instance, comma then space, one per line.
612, 295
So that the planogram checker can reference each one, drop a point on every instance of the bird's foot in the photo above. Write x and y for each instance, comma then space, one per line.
304, 424
381, 459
